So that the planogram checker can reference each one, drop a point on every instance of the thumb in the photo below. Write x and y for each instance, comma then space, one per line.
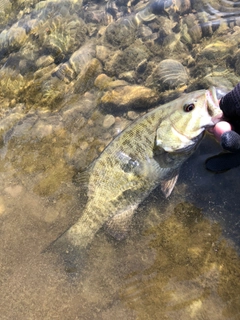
230, 141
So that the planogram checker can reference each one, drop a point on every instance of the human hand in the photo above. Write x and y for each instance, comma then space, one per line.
227, 133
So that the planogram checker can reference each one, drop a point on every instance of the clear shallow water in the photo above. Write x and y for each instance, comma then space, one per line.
181, 258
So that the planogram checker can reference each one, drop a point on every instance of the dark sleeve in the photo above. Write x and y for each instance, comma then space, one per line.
230, 103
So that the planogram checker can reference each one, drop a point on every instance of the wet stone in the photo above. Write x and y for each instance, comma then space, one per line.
132, 115
108, 121
141, 67
129, 76
44, 61
83, 145
144, 31
170, 74
215, 50
86, 78
102, 52
102, 81
129, 97
120, 35
120, 125
123, 61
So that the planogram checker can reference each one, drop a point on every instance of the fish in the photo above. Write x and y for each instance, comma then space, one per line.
147, 154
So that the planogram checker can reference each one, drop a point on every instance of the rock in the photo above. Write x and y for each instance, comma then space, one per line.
129, 97
120, 125
123, 61
83, 145
102, 81
86, 78
44, 61
132, 115
129, 76
141, 67
144, 32
169, 74
119, 34
108, 121
102, 52
214, 51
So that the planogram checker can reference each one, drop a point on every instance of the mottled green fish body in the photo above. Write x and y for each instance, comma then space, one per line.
146, 154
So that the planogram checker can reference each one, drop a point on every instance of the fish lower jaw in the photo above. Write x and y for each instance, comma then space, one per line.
211, 125
217, 118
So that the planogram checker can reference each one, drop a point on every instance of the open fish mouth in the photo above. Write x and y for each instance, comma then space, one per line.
212, 105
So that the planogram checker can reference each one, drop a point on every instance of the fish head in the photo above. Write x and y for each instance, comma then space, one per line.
185, 120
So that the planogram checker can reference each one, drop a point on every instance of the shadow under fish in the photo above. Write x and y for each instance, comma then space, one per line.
145, 155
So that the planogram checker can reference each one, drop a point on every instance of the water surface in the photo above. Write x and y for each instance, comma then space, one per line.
181, 257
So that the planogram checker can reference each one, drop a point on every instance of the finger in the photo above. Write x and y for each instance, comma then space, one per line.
230, 141
220, 128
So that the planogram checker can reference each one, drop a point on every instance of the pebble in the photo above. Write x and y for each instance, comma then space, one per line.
128, 76
132, 115
44, 61
83, 145
13, 191
102, 81
120, 125
108, 121
102, 53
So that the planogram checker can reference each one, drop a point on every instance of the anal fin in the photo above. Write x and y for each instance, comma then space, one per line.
169, 182
118, 226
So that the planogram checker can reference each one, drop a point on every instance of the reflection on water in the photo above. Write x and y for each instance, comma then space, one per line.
60, 105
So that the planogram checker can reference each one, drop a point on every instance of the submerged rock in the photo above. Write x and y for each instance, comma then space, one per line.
108, 121
169, 74
126, 60
129, 98
87, 76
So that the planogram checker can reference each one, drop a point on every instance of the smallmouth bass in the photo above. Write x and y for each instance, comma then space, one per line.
145, 155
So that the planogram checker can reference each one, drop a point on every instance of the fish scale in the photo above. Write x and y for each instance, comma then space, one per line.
137, 161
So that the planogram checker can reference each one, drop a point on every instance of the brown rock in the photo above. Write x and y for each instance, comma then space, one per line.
129, 97
102, 81
87, 77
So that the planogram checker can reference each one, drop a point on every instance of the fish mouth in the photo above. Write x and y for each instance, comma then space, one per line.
212, 105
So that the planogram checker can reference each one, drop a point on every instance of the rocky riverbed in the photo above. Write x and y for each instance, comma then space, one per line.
73, 75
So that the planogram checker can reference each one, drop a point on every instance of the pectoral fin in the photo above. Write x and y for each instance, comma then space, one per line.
82, 178
169, 182
118, 226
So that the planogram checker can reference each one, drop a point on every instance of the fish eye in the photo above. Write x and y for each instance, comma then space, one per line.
188, 107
